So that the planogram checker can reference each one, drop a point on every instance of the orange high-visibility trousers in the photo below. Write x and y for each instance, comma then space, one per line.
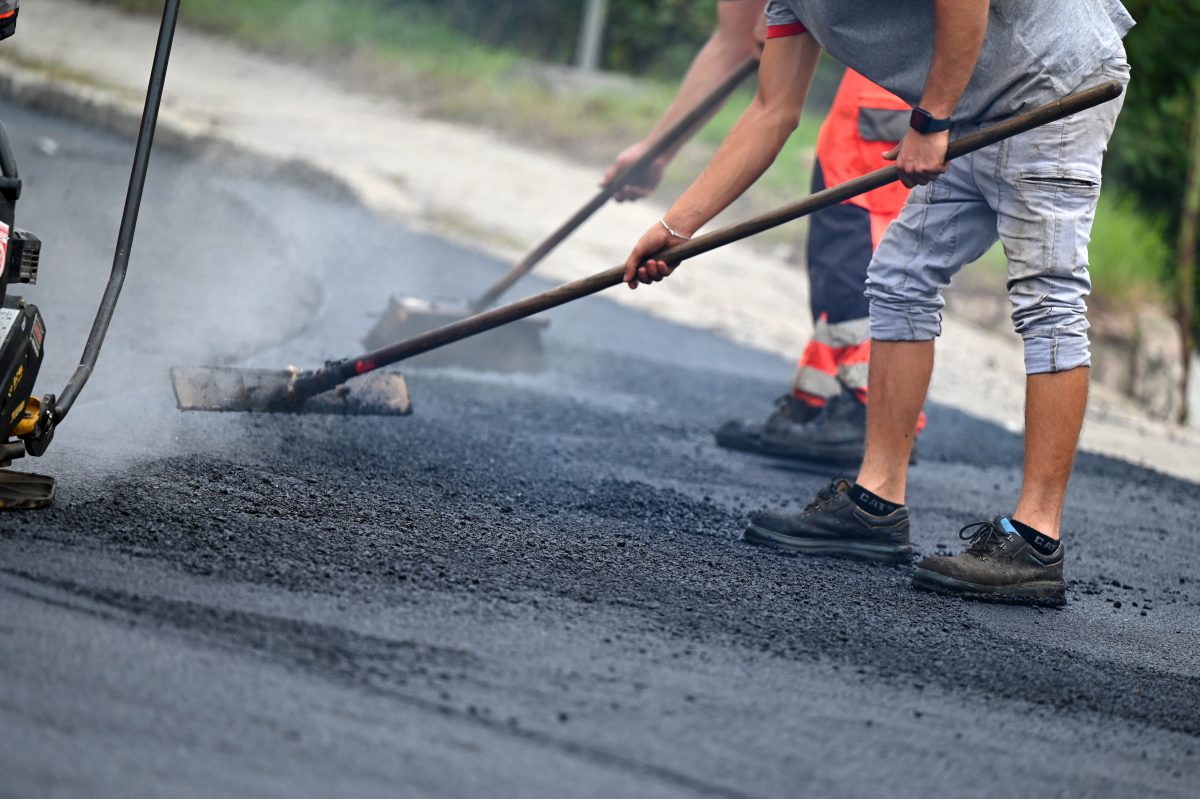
864, 122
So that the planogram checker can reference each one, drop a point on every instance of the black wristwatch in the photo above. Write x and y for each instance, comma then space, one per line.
924, 122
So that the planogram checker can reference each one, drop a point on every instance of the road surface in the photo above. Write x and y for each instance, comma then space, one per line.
533, 586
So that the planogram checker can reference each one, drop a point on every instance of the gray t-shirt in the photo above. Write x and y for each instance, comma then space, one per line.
1035, 51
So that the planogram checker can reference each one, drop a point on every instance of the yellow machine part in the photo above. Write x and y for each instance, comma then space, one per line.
27, 418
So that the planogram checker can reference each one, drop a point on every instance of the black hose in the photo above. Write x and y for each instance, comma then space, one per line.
8, 163
133, 202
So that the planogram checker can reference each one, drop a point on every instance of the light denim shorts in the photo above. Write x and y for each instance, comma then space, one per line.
1037, 194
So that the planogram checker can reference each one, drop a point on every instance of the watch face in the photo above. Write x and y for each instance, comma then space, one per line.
919, 121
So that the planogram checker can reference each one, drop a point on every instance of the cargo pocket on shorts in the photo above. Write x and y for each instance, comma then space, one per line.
1068, 181
1045, 233
1077, 183
1050, 229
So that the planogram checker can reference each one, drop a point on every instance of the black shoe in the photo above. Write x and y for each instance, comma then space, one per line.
746, 434
833, 525
999, 565
838, 434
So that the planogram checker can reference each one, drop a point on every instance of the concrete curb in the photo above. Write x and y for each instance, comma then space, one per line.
107, 110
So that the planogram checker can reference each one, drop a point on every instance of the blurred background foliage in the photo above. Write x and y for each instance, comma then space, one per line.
657, 38
1149, 153
1154, 148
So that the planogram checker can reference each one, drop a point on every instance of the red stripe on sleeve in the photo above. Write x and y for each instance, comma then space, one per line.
790, 29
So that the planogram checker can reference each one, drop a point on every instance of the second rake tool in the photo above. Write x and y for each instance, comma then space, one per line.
519, 345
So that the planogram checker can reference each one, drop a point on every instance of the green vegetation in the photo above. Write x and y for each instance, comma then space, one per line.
57, 71
1149, 150
1130, 254
1150, 154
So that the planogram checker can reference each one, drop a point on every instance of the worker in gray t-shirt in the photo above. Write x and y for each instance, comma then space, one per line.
962, 64
1034, 51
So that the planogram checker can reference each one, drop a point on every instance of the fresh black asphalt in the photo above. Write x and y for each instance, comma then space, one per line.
534, 585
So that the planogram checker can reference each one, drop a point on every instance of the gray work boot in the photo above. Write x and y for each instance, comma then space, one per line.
833, 434
999, 565
832, 524
837, 434
746, 434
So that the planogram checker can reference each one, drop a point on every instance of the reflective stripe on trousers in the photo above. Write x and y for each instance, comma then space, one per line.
835, 359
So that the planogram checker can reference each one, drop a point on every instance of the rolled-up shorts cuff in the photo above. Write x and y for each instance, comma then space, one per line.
904, 322
1056, 351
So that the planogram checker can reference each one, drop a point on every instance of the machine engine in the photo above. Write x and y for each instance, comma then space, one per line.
22, 331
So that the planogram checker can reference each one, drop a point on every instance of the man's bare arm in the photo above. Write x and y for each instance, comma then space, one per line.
959, 30
787, 68
784, 77
737, 36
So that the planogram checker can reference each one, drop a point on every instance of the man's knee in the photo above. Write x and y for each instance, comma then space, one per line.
1049, 311
897, 315
904, 303
1056, 339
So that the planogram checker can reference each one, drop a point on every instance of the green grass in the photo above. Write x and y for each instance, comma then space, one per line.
57, 71
1129, 253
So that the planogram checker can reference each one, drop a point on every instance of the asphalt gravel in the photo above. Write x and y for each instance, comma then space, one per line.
533, 586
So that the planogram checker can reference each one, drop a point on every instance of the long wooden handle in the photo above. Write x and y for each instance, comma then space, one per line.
1051, 112
669, 138
314, 382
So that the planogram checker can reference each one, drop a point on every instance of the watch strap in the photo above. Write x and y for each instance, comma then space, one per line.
924, 122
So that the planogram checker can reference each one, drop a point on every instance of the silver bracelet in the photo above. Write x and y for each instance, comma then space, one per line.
677, 235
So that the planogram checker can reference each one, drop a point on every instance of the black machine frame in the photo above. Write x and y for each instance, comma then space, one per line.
32, 421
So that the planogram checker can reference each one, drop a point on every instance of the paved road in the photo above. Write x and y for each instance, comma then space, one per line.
531, 587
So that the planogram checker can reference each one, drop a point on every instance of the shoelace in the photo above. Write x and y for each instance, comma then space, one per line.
823, 498
985, 537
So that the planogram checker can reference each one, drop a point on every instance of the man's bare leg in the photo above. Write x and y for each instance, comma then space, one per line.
897, 382
1054, 407
868, 521
1006, 561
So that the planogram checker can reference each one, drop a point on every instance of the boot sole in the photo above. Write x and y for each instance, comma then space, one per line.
1043, 592
854, 550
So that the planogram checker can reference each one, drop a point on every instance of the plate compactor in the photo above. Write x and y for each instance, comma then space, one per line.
22, 336
30, 421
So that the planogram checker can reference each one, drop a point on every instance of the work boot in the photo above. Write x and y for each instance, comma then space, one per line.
837, 434
999, 565
746, 434
832, 524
